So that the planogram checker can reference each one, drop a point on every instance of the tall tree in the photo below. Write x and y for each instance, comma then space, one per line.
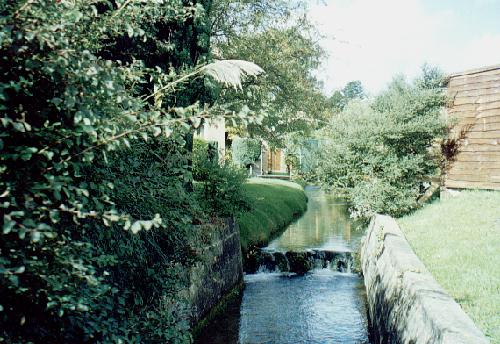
289, 95
276, 36
353, 90
231, 18
340, 98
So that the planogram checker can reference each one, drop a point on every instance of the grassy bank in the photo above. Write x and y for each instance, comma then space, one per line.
275, 203
458, 240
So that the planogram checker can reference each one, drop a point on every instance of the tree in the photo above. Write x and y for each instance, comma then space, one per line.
351, 91
231, 18
380, 153
288, 99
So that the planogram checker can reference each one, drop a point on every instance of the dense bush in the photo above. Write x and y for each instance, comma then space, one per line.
147, 269
380, 153
82, 81
200, 157
219, 184
203, 152
245, 151
221, 191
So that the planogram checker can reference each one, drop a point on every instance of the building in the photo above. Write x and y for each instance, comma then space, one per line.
272, 161
474, 105
214, 130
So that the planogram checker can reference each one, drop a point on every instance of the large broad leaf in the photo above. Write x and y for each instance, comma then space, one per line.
232, 72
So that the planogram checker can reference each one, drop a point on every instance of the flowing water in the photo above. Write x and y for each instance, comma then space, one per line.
320, 306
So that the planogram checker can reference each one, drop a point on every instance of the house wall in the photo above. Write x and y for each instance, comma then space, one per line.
215, 130
475, 105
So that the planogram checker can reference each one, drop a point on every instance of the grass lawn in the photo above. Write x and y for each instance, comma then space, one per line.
275, 203
458, 239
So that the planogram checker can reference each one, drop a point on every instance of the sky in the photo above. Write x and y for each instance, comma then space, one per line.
374, 40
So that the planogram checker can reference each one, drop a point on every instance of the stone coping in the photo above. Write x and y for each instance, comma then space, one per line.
405, 303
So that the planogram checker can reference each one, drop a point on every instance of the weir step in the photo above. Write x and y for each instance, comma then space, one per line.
264, 260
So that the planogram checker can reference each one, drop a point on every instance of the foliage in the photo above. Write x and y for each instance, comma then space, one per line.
73, 89
82, 81
221, 190
148, 269
379, 154
219, 184
289, 95
351, 91
199, 157
245, 151
273, 205
457, 239
288, 99
230, 18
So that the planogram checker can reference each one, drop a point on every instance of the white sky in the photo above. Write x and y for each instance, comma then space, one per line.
373, 40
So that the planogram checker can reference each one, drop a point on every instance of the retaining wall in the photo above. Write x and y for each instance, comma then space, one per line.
405, 303
218, 272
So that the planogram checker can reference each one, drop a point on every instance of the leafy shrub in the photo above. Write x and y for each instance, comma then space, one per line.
200, 157
379, 154
221, 190
203, 152
220, 185
148, 269
245, 151
77, 85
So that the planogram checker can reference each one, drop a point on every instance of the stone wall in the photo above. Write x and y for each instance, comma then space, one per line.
405, 303
219, 271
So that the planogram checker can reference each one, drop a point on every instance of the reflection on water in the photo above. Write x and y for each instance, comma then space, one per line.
325, 225
322, 306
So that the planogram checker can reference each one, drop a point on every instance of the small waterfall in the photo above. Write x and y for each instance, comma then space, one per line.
260, 260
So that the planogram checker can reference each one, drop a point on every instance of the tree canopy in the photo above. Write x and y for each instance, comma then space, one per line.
289, 98
351, 91
379, 152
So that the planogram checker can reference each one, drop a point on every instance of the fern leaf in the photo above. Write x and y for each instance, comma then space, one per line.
232, 72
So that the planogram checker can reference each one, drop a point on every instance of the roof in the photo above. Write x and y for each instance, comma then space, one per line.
475, 71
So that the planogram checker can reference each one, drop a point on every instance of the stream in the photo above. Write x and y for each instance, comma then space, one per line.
327, 304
